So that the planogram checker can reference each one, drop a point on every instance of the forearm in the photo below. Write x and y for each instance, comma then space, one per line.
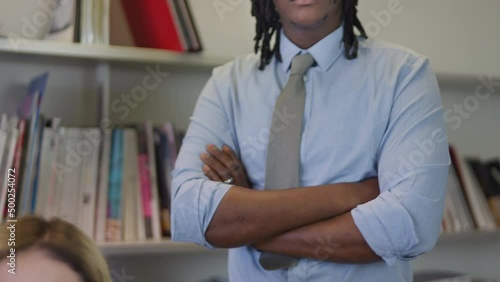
245, 216
336, 239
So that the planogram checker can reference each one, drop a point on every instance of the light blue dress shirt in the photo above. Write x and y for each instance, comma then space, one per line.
379, 114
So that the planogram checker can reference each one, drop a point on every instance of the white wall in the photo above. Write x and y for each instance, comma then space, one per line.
225, 26
477, 132
71, 89
459, 36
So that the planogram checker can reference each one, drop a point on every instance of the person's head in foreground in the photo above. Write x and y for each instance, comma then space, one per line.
50, 251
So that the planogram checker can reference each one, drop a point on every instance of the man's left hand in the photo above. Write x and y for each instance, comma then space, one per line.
223, 165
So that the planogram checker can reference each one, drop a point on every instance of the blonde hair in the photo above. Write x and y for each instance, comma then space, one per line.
60, 240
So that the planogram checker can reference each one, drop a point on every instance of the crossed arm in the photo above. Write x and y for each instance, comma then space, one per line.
313, 222
318, 222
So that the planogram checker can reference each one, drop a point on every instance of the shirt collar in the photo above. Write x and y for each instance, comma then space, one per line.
324, 52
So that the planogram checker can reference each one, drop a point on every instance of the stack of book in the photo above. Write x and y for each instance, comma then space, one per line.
162, 24
473, 199
111, 183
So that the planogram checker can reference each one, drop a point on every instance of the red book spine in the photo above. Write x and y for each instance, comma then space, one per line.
152, 24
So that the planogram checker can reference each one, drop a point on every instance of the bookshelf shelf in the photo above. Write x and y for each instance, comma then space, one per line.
168, 247
469, 237
151, 247
107, 53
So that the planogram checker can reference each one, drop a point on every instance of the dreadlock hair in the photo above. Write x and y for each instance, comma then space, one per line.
268, 24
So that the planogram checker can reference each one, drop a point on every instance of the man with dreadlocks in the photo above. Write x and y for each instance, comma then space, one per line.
373, 154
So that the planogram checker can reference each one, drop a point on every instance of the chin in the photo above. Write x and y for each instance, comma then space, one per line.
309, 21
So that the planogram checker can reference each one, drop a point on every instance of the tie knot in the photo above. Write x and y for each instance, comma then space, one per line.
301, 63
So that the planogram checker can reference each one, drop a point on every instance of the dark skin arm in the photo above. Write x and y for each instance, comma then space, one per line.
246, 216
336, 239
296, 227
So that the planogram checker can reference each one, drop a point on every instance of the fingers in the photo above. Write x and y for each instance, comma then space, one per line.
227, 158
225, 164
221, 156
216, 166
236, 168
235, 165
212, 175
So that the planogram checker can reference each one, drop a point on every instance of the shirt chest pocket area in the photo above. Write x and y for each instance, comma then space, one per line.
341, 142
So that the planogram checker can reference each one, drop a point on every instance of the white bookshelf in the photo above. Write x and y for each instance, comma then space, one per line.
151, 247
166, 246
471, 237
107, 53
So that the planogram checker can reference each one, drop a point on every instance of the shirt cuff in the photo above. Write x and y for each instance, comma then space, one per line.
193, 209
386, 226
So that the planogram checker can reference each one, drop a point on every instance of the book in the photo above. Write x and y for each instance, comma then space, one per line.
179, 26
94, 21
7, 163
78, 21
188, 25
145, 185
44, 173
155, 201
486, 179
60, 169
478, 204
36, 170
130, 186
69, 203
152, 24
100, 21
57, 135
18, 155
30, 108
88, 146
95, 179
114, 217
102, 199
456, 209
494, 199
487, 175
161, 150
173, 144
86, 22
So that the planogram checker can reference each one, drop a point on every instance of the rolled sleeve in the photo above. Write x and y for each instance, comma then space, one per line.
405, 220
194, 206
194, 197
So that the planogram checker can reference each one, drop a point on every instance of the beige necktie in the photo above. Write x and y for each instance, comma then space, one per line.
283, 153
